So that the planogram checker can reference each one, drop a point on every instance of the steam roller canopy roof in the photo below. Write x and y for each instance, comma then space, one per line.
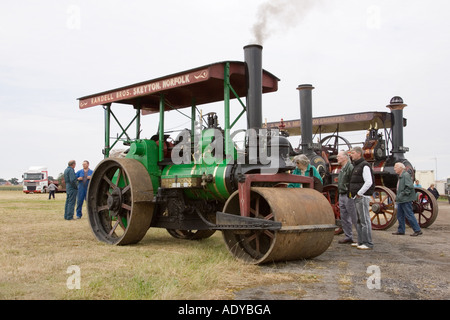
200, 86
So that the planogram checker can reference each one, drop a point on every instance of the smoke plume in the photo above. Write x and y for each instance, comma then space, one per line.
279, 15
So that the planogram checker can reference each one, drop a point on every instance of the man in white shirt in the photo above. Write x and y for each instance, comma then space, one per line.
362, 186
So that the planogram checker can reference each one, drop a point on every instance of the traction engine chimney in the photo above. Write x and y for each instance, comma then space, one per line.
396, 105
253, 65
306, 118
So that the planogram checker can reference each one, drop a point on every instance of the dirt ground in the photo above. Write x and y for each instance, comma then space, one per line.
398, 268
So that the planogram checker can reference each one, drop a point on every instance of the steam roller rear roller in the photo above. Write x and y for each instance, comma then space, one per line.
307, 225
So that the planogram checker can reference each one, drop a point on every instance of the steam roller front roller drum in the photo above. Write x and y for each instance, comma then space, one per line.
307, 225
119, 201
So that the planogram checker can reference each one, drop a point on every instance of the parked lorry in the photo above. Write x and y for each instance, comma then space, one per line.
35, 180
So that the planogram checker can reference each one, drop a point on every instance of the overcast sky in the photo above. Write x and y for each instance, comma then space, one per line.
358, 54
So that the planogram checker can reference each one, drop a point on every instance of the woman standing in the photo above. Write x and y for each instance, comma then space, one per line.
304, 168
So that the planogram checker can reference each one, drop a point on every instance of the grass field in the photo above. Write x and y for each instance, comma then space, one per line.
39, 247
11, 188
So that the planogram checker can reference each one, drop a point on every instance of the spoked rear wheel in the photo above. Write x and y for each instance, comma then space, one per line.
425, 208
383, 214
119, 201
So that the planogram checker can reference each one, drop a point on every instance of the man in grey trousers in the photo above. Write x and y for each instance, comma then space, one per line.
346, 204
362, 186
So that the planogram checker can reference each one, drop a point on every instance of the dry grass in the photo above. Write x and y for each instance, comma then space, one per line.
38, 246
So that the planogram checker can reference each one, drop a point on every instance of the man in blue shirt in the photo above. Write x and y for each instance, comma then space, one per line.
83, 177
71, 190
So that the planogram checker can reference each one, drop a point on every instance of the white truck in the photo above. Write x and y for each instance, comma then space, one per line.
35, 180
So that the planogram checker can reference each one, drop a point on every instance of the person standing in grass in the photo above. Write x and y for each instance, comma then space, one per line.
51, 190
71, 190
83, 177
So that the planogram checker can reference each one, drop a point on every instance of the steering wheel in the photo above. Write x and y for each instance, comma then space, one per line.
331, 143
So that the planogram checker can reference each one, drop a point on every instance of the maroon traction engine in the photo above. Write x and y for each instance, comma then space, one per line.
376, 151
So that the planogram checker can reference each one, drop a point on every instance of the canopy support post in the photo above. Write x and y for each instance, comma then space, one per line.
161, 127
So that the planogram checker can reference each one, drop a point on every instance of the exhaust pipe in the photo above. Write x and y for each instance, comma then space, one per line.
306, 124
253, 65
306, 118
396, 105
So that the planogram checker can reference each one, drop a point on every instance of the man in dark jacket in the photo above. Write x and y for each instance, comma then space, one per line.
71, 190
362, 186
405, 196
346, 204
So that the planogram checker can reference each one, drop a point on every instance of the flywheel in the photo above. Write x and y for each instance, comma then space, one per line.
119, 201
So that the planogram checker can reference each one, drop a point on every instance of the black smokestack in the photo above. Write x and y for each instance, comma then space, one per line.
306, 117
253, 62
396, 105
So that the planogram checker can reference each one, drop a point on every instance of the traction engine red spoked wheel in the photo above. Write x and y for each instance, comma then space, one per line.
425, 208
330, 192
119, 201
382, 208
